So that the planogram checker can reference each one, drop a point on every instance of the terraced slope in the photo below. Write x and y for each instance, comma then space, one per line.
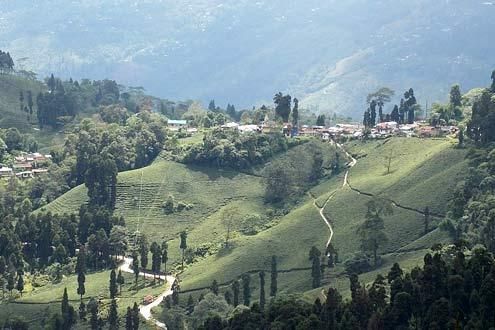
423, 174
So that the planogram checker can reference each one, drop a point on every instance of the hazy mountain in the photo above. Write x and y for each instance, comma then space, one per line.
330, 53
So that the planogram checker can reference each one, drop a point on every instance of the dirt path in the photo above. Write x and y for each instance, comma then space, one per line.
321, 210
145, 310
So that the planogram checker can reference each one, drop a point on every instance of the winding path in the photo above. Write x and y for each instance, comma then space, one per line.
145, 310
350, 165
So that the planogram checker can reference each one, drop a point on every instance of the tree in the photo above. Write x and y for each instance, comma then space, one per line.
120, 281
113, 287
118, 240
164, 255
262, 290
274, 275
93, 311
229, 219
283, 106
183, 245
11, 282
68, 313
295, 113
314, 256
235, 290
212, 106
461, 137
143, 253
493, 82
455, 96
156, 259
128, 319
246, 289
20, 284
214, 287
82, 311
395, 115
135, 316
277, 182
371, 230
135, 267
81, 271
388, 160
113, 316
320, 120
426, 220
101, 181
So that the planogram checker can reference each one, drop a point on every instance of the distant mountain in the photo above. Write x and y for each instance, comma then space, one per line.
330, 53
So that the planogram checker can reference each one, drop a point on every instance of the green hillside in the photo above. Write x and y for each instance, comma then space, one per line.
10, 113
423, 174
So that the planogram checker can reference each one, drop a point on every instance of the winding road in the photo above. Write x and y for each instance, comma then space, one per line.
145, 310
350, 165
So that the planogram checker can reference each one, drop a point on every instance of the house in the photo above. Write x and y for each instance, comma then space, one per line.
230, 126
249, 128
6, 172
428, 131
22, 167
25, 175
148, 299
175, 125
39, 171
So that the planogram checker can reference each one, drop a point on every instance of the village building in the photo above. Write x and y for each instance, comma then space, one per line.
175, 125
6, 171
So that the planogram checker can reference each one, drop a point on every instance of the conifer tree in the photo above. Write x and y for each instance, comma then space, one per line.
113, 287
214, 287
164, 256
183, 245
246, 289
120, 281
274, 275
128, 319
135, 316
113, 316
20, 284
135, 267
235, 290
262, 290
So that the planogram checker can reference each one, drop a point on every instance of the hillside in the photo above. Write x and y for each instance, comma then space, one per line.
328, 54
421, 169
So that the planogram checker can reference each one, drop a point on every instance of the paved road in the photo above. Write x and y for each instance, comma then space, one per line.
145, 310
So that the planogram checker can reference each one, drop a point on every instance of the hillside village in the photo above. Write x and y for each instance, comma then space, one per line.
26, 166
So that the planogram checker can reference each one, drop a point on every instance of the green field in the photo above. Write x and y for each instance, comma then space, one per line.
36, 306
423, 173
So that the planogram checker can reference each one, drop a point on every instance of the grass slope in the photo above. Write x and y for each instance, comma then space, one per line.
37, 305
423, 174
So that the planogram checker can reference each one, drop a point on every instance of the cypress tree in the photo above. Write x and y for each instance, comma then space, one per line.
120, 281
135, 316
214, 287
20, 284
274, 275
93, 310
128, 319
135, 267
82, 311
113, 316
262, 290
235, 290
113, 284
81, 271
246, 289
164, 255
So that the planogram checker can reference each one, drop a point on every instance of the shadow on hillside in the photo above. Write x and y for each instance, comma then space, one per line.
213, 173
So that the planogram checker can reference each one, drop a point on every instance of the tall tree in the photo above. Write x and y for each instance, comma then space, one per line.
274, 275
183, 245
81, 271
493, 82
143, 253
236, 291
113, 316
164, 256
156, 259
135, 316
283, 106
101, 181
120, 281
426, 220
113, 287
246, 289
295, 113
371, 231
128, 319
135, 267
262, 290
20, 284
214, 287
93, 311
314, 256
320, 120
